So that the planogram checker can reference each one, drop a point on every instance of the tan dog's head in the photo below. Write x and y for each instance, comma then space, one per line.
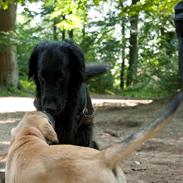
37, 120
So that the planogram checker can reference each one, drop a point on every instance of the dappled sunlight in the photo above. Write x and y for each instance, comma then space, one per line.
16, 104
119, 102
7, 121
25, 104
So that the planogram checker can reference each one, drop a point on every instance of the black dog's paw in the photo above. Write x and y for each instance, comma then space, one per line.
94, 145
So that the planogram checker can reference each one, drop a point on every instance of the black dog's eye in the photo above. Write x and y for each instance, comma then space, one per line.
60, 76
60, 80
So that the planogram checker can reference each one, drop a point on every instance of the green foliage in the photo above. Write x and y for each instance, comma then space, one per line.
102, 41
68, 14
157, 7
25, 89
102, 84
28, 38
8, 38
5, 3
158, 60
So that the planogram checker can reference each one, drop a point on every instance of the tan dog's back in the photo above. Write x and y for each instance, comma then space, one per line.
32, 160
41, 163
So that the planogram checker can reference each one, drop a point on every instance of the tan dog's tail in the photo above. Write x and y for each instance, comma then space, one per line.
118, 152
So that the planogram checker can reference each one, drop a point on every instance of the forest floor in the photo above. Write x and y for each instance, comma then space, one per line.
160, 160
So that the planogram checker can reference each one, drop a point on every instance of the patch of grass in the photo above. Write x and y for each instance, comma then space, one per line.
149, 93
26, 89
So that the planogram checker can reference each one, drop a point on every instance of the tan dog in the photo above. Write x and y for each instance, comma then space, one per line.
32, 160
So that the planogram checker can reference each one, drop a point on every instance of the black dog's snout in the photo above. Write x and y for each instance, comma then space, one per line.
50, 105
50, 110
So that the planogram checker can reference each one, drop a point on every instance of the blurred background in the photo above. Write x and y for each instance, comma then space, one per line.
135, 38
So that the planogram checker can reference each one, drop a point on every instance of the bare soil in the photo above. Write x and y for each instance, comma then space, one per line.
160, 160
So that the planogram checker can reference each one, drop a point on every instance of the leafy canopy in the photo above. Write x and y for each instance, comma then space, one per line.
4, 4
157, 7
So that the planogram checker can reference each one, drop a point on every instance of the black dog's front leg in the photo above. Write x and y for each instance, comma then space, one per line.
84, 136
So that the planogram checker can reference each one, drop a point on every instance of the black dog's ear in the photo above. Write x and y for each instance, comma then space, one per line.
33, 61
77, 64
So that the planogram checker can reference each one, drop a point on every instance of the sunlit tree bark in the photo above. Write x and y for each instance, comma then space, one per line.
133, 49
8, 62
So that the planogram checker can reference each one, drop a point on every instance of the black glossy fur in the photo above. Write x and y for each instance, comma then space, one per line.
58, 70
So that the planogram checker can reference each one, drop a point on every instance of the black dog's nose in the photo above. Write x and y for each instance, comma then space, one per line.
50, 105
50, 110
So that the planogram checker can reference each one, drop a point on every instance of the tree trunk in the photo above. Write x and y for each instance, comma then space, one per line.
71, 34
63, 31
8, 62
122, 72
133, 49
55, 34
63, 35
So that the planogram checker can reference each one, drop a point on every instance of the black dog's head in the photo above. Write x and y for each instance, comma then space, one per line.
58, 71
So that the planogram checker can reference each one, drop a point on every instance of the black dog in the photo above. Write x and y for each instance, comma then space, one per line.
59, 72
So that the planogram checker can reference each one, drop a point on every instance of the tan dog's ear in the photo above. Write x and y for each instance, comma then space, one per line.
13, 131
49, 133
13, 134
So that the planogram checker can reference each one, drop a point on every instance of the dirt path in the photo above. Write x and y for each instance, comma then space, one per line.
160, 160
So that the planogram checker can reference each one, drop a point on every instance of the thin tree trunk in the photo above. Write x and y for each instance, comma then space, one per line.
83, 32
133, 49
63, 35
55, 33
71, 34
122, 73
63, 31
8, 62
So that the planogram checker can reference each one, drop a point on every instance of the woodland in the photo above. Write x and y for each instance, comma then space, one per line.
135, 38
